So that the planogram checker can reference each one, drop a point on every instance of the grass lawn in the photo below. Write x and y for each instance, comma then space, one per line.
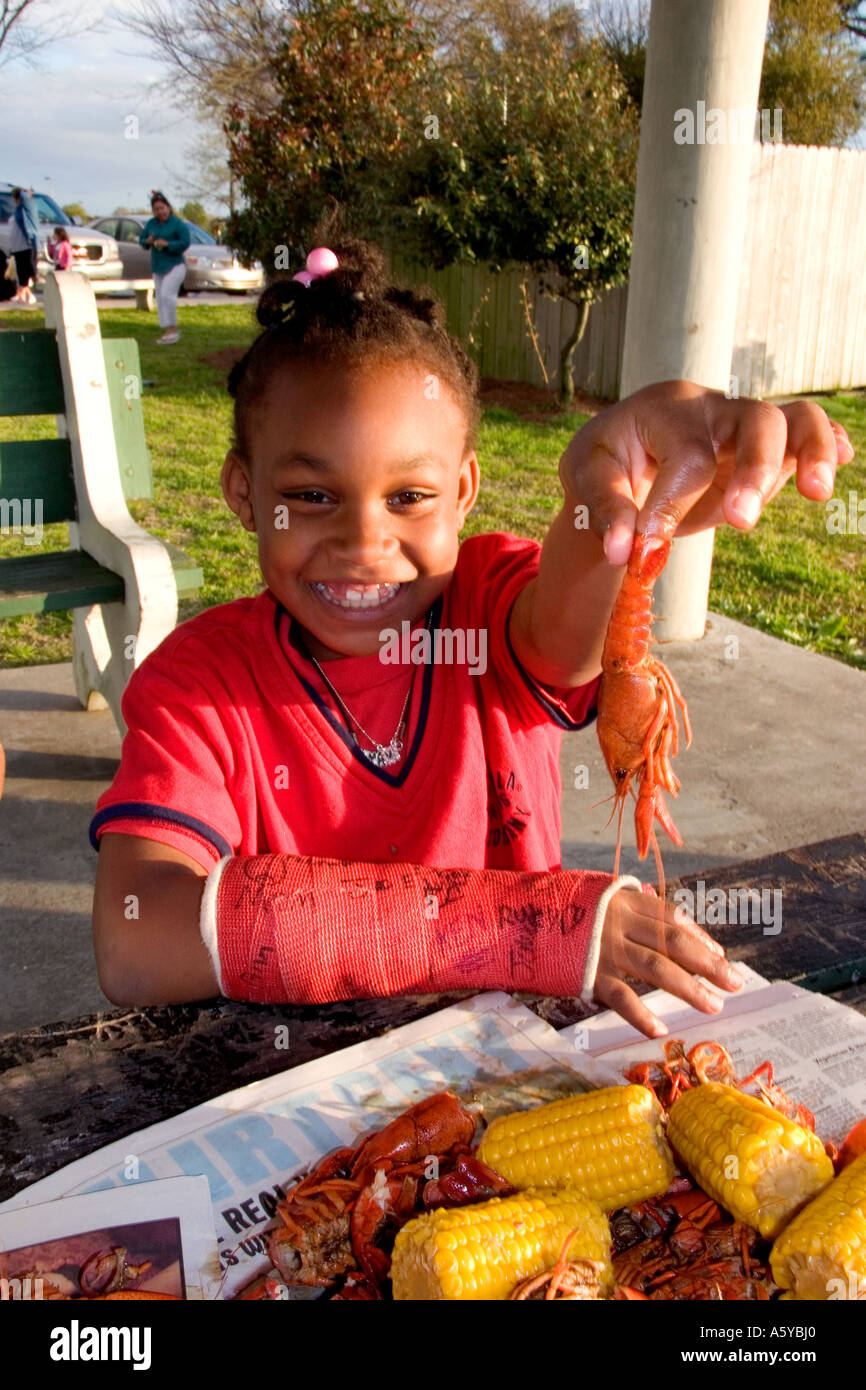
790, 577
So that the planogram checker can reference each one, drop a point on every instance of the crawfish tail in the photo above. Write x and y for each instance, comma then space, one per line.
628, 633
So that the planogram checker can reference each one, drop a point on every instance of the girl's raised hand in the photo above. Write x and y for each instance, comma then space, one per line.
685, 458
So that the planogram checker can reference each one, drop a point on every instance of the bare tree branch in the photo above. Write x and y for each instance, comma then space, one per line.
24, 33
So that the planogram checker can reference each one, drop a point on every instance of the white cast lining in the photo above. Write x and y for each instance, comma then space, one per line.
208, 917
589, 974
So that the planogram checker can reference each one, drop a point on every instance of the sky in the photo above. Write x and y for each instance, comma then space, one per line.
64, 123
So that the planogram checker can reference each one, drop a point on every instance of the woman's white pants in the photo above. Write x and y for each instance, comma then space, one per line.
166, 289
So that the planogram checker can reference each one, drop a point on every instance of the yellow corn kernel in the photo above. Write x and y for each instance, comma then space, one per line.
821, 1254
755, 1162
481, 1252
607, 1144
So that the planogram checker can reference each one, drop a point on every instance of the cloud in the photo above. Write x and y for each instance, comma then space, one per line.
67, 121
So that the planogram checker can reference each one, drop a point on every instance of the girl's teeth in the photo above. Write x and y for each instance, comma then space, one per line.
357, 595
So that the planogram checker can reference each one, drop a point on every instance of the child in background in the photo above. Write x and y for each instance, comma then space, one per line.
313, 804
60, 249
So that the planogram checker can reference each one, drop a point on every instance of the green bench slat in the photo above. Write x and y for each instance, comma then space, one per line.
30, 380
123, 370
66, 579
30, 384
58, 580
34, 470
41, 470
187, 574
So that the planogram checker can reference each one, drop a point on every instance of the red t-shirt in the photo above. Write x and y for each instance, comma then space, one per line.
236, 746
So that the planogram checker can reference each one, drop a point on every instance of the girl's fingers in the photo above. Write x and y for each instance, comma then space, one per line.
680, 939
598, 477
630, 908
759, 462
662, 973
815, 444
617, 995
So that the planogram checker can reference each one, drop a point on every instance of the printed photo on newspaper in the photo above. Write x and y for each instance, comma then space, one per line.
153, 1241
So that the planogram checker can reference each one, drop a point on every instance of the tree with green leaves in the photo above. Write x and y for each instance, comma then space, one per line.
351, 80
194, 212
534, 161
813, 68
76, 210
812, 73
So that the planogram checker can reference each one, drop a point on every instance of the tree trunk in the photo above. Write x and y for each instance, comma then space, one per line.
567, 351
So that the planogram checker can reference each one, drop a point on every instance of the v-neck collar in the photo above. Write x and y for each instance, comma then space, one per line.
389, 778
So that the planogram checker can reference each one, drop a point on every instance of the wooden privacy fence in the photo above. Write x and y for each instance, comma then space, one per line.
801, 315
801, 312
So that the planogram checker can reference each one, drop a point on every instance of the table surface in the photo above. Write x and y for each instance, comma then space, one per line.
70, 1088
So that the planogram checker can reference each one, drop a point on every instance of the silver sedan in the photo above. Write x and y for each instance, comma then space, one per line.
209, 266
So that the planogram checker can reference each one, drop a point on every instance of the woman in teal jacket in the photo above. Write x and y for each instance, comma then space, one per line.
168, 237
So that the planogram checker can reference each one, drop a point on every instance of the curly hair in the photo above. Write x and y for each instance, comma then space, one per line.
348, 318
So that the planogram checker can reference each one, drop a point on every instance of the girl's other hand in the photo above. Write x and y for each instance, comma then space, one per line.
658, 944
682, 459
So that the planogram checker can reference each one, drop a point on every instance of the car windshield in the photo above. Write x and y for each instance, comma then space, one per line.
46, 208
199, 237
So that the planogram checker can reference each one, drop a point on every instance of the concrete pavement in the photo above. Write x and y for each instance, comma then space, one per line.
777, 761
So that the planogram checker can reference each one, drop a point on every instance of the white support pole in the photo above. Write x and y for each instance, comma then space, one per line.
703, 64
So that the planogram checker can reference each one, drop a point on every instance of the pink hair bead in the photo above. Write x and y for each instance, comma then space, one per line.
321, 261
304, 276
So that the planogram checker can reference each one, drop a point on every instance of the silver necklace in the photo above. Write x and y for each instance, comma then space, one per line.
380, 755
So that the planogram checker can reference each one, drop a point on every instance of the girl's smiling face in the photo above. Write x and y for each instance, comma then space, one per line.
358, 488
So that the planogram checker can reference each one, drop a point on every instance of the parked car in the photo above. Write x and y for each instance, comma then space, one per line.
93, 252
209, 266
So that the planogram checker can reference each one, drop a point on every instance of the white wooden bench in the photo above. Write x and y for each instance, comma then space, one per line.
143, 290
120, 582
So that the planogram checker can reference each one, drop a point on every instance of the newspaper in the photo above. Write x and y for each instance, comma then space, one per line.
252, 1143
161, 1234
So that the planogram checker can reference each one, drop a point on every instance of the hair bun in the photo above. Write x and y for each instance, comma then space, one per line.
278, 301
362, 269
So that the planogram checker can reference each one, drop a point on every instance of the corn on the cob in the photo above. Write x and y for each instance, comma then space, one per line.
755, 1162
483, 1251
822, 1253
607, 1144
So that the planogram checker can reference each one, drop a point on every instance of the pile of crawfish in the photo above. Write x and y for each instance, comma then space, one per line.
339, 1223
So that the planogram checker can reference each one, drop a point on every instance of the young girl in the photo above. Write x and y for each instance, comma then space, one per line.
168, 237
348, 785
60, 249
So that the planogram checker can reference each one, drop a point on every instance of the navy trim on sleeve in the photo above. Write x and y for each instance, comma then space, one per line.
556, 714
143, 810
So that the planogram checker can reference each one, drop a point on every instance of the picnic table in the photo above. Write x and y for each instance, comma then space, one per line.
69, 1088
